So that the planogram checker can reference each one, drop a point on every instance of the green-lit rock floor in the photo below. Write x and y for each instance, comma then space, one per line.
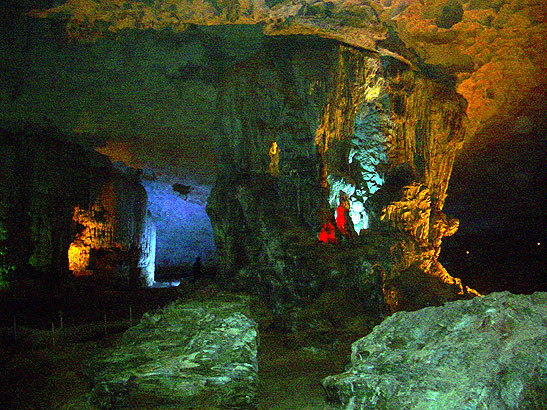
38, 373
49, 377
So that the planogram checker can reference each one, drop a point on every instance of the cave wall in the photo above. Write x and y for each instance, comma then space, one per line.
275, 96
52, 196
41, 183
345, 120
114, 231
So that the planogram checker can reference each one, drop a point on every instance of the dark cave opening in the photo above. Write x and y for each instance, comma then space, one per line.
496, 261
498, 193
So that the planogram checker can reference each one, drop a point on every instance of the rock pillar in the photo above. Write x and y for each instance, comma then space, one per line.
349, 123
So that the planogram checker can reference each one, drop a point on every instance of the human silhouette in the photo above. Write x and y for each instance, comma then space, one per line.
196, 270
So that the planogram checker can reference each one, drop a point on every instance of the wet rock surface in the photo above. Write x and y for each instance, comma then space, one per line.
188, 354
485, 353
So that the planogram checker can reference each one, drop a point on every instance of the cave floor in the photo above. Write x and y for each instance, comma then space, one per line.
35, 373
50, 377
290, 376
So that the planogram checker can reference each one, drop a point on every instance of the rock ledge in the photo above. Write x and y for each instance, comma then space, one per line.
199, 353
484, 353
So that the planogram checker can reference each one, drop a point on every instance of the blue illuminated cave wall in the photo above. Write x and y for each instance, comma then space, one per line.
183, 228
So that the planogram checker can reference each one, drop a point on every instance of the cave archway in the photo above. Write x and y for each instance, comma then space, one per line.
183, 229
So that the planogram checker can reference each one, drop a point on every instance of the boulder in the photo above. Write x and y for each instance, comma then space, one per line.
484, 353
197, 354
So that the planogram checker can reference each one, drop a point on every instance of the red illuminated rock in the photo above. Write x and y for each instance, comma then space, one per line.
385, 134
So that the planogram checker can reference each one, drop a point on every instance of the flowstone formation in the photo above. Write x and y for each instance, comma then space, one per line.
350, 121
196, 354
486, 353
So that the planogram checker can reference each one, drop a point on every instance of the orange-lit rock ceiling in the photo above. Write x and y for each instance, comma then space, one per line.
495, 49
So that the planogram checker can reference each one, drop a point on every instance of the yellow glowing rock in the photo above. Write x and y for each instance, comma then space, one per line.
273, 168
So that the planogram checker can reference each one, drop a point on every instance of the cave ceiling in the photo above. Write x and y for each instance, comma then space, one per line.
139, 79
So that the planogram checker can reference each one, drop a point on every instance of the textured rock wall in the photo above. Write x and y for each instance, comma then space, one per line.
405, 131
273, 97
427, 129
50, 193
492, 48
42, 181
344, 119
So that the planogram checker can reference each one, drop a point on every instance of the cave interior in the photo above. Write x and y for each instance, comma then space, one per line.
315, 167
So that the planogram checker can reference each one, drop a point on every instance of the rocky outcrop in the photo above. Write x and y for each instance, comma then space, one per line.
405, 131
113, 231
355, 123
271, 98
481, 44
189, 355
63, 208
42, 180
485, 353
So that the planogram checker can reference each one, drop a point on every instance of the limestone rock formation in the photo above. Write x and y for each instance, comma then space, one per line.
64, 208
480, 43
146, 265
346, 121
42, 180
198, 354
113, 231
485, 353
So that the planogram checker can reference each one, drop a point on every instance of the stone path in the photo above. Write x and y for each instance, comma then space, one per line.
290, 376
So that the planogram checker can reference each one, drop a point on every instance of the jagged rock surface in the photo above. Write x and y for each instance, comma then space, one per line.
197, 354
344, 119
485, 353
63, 207
41, 181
